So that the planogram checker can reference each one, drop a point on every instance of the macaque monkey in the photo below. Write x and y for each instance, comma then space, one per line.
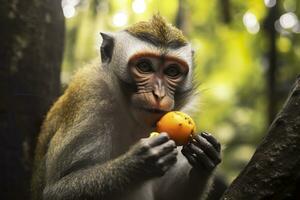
94, 141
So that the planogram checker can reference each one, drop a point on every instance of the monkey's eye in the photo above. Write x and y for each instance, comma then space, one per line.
173, 71
144, 66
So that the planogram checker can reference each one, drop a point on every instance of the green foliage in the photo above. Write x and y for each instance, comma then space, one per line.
230, 62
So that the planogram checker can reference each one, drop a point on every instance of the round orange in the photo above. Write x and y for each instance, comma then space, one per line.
178, 125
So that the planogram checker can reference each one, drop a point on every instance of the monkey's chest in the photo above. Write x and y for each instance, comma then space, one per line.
141, 192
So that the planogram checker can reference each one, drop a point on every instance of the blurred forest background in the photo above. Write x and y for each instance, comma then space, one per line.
247, 58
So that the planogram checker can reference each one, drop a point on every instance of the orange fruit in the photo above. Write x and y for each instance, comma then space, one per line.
153, 134
178, 125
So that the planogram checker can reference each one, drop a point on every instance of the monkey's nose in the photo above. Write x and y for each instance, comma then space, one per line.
159, 93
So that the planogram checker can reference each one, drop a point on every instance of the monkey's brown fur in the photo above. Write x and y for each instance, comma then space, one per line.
86, 90
64, 110
158, 28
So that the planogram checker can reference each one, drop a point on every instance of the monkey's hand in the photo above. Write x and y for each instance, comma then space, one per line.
203, 152
155, 154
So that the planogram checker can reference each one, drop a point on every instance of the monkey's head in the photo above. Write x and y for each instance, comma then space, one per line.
152, 62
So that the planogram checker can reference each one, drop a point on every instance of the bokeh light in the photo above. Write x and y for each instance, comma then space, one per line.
70, 2
68, 7
251, 23
270, 3
120, 19
288, 20
69, 11
138, 6
280, 29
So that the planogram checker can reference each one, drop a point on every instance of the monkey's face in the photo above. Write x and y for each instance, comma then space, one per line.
154, 78
157, 78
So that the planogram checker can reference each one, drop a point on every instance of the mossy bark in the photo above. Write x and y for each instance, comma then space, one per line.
274, 170
31, 49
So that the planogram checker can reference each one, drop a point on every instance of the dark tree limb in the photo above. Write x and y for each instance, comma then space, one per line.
181, 21
225, 11
274, 170
272, 54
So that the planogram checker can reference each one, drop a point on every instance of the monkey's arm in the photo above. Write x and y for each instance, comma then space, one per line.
98, 181
75, 172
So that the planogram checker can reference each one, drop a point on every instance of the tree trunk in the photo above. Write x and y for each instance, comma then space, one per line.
274, 170
225, 11
31, 49
271, 35
181, 21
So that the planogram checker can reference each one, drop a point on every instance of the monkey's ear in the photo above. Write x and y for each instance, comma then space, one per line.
107, 47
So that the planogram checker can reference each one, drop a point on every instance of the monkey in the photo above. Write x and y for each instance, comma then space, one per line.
94, 141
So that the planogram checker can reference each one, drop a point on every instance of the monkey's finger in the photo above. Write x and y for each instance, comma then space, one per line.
207, 147
158, 140
168, 160
212, 140
189, 155
164, 149
201, 157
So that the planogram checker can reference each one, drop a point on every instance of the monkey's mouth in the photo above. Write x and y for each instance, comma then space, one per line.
153, 110
148, 115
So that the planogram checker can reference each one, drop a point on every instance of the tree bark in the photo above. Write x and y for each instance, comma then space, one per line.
31, 49
274, 170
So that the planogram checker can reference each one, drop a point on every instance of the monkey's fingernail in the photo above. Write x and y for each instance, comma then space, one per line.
205, 134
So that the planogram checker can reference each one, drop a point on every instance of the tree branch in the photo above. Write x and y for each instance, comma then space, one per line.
274, 170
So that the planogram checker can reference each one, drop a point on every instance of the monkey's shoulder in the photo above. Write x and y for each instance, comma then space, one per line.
92, 79
90, 85
87, 98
